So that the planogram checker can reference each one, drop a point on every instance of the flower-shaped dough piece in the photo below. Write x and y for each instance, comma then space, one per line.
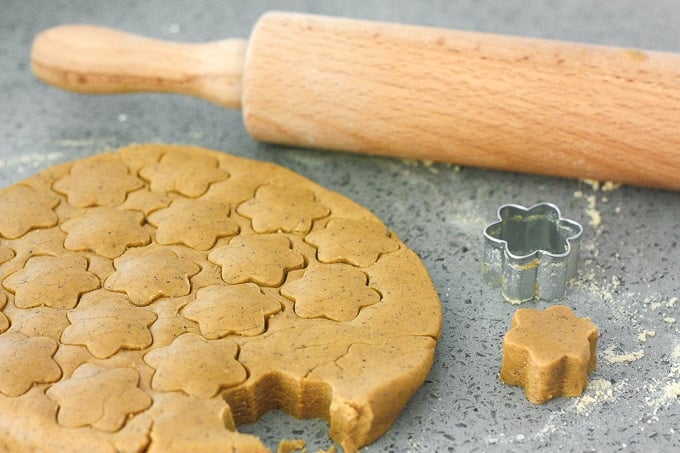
24, 208
107, 231
100, 181
531, 252
48, 241
187, 173
106, 322
182, 422
213, 366
195, 223
549, 352
263, 259
235, 190
25, 361
238, 309
333, 291
100, 397
40, 322
288, 209
55, 282
149, 273
357, 242
136, 156
146, 201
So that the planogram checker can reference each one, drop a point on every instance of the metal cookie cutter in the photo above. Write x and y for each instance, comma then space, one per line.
532, 252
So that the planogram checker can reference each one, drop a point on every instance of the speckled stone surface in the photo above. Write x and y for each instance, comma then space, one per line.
628, 281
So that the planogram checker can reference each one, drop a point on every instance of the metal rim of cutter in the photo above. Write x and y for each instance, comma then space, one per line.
531, 252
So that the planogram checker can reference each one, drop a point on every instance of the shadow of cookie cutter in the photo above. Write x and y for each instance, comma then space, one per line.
531, 252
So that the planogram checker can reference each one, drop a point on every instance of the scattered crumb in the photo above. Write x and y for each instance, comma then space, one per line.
671, 302
593, 213
670, 393
642, 337
608, 186
604, 289
669, 320
428, 164
598, 390
605, 186
591, 210
595, 185
612, 357
671, 390
652, 303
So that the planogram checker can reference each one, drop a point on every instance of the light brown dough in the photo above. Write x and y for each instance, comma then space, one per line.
157, 297
549, 352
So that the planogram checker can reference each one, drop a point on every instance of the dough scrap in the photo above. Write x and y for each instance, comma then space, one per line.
155, 298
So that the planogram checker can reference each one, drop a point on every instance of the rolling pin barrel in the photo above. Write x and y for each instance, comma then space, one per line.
474, 99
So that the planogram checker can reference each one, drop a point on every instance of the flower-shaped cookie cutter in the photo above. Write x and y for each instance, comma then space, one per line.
531, 252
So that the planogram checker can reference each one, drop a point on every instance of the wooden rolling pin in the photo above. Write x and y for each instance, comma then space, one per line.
474, 99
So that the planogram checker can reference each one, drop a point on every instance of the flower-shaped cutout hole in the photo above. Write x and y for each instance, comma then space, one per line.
532, 252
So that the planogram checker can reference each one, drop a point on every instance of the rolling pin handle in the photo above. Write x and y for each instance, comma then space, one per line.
98, 60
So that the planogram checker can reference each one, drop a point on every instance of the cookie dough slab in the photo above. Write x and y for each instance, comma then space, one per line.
195, 291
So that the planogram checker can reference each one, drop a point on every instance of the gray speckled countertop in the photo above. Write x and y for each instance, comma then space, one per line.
628, 280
